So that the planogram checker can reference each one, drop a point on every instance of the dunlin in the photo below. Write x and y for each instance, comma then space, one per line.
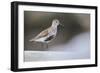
48, 34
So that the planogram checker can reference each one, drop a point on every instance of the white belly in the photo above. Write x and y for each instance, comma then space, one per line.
53, 31
41, 40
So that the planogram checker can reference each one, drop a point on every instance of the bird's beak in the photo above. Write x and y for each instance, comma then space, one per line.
61, 24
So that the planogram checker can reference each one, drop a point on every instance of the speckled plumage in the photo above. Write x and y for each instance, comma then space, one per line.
48, 34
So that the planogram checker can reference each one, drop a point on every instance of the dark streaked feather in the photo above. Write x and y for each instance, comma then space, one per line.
42, 34
50, 38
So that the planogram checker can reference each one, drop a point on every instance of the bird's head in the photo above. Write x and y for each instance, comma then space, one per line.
56, 22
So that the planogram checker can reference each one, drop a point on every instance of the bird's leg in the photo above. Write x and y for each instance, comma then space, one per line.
47, 45
42, 45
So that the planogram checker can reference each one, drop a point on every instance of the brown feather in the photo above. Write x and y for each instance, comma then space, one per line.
42, 34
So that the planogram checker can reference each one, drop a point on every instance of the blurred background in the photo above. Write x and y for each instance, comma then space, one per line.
35, 22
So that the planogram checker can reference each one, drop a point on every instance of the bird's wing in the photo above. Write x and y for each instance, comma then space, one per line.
42, 34
50, 38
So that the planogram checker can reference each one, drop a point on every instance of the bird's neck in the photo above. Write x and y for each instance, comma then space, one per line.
53, 26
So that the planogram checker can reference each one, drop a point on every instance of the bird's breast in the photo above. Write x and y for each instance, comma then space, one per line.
53, 31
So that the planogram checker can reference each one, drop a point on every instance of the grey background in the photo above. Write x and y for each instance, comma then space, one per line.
35, 22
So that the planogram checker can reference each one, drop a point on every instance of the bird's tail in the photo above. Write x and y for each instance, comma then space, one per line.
32, 40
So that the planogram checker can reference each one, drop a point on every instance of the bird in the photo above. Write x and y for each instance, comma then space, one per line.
48, 34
